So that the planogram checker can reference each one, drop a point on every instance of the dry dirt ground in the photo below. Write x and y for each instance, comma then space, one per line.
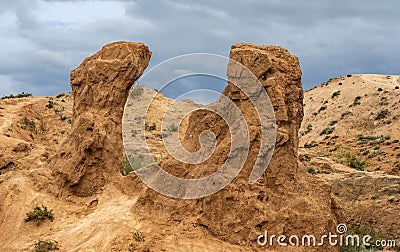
31, 132
104, 222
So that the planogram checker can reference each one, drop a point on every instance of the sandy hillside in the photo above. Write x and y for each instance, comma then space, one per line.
359, 115
66, 153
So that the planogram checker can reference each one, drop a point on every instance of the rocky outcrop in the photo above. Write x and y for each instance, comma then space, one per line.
285, 200
92, 153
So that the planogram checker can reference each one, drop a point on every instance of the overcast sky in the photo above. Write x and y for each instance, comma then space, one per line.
42, 41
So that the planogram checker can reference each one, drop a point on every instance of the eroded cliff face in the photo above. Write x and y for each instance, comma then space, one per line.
91, 155
284, 201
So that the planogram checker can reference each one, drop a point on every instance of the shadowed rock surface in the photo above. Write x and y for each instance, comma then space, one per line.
285, 201
91, 155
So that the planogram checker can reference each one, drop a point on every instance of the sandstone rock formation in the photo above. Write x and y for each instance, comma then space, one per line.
284, 201
92, 153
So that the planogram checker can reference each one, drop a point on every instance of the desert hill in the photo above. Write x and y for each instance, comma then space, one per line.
357, 115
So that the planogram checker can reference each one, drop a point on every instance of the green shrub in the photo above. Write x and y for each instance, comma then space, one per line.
333, 123
132, 247
126, 167
354, 162
173, 127
39, 214
150, 127
138, 236
327, 131
356, 101
137, 91
50, 104
345, 114
310, 145
311, 170
337, 93
382, 114
12, 96
43, 246
134, 163
322, 108
308, 130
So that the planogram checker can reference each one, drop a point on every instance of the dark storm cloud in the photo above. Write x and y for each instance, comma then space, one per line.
330, 38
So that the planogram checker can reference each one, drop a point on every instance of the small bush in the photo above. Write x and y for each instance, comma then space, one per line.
380, 89
311, 145
138, 236
43, 246
39, 214
333, 123
173, 127
396, 87
311, 170
126, 167
354, 162
132, 247
50, 104
308, 130
327, 131
150, 127
356, 101
137, 91
322, 108
382, 114
12, 96
337, 93
345, 114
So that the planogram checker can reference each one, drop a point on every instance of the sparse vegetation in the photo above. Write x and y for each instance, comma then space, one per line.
27, 123
135, 162
39, 214
322, 108
137, 91
335, 94
12, 96
382, 114
356, 101
327, 131
132, 247
361, 232
173, 127
332, 123
311, 170
150, 127
126, 167
345, 114
308, 130
138, 236
43, 246
50, 104
311, 145
354, 162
